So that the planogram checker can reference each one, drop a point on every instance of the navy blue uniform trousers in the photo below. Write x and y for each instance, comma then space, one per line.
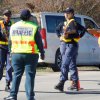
21, 62
5, 61
69, 52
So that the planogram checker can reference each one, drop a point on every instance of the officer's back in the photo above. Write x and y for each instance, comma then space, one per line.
26, 43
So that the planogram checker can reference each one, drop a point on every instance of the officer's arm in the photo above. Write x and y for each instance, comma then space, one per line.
9, 44
39, 43
81, 30
0, 33
59, 29
9, 41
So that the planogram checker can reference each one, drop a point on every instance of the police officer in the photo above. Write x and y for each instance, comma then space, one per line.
26, 43
4, 53
69, 50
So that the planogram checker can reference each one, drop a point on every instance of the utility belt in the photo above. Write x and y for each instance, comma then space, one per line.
3, 43
73, 40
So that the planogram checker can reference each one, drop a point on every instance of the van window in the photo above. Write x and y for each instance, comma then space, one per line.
15, 19
78, 20
90, 24
52, 22
34, 19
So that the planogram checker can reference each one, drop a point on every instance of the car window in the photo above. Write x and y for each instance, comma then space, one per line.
78, 20
52, 22
34, 19
90, 24
15, 19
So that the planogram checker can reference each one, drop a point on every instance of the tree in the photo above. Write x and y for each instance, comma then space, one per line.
85, 7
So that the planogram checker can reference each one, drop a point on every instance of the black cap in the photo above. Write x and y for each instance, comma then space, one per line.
69, 10
25, 14
7, 13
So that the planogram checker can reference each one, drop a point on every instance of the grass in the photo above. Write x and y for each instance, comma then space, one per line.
44, 69
81, 68
89, 68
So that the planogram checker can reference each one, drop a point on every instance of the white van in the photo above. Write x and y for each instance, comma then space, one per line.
89, 51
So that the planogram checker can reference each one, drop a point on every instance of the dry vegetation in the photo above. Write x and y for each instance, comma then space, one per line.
86, 7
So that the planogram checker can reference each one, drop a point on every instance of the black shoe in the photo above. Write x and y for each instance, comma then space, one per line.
10, 98
7, 89
74, 86
60, 86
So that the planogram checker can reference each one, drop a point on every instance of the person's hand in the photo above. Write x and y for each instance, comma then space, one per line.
42, 56
64, 28
61, 38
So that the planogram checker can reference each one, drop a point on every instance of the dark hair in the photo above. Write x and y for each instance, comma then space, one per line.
69, 10
7, 13
25, 15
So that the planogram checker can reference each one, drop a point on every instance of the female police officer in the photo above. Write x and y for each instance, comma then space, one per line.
69, 50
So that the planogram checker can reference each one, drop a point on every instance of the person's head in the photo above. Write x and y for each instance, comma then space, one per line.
69, 13
7, 15
25, 15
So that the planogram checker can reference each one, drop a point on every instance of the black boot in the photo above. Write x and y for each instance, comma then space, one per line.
74, 86
10, 98
7, 88
60, 86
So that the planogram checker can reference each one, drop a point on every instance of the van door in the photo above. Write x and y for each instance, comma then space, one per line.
50, 22
93, 44
83, 52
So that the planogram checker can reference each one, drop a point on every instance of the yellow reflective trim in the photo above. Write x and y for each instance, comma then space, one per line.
21, 44
76, 39
70, 40
4, 43
66, 40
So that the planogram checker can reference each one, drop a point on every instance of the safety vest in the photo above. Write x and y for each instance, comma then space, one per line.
23, 37
4, 31
75, 39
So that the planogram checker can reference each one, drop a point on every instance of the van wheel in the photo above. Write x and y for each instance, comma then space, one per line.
58, 60
99, 66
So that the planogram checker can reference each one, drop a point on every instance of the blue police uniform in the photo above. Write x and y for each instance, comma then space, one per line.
69, 52
4, 53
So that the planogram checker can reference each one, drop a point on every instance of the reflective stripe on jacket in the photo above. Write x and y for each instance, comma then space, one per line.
3, 42
22, 36
76, 39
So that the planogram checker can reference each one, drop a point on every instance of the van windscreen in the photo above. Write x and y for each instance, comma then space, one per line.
52, 22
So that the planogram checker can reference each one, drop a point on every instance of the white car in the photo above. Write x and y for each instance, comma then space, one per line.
89, 51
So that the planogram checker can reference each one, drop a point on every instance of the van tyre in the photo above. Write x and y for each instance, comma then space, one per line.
58, 59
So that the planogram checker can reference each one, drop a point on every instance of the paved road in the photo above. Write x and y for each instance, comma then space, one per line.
45, 82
